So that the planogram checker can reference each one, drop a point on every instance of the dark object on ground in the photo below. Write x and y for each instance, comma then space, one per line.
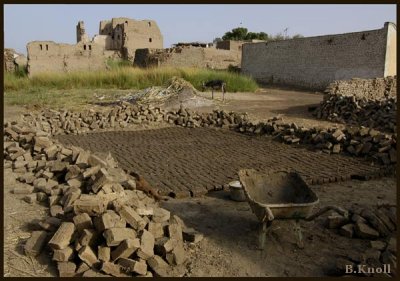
215, 85
143, 185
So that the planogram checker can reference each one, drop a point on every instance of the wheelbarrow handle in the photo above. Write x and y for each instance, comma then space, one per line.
340, 210
269, 216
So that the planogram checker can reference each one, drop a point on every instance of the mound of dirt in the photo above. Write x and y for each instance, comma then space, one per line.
178, 91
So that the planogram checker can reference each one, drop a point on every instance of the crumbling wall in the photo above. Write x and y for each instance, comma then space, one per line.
48, 56
9, 65
187, 57
314, 62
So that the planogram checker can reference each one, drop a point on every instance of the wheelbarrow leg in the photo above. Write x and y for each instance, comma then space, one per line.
299, 234
262, 234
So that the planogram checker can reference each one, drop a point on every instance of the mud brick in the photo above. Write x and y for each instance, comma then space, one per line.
51, 184
392, 245
366, 148
88, 237
164, 245
132, 218
28, 157
128, 264
381, 215
30, 198
362, 230
54, 200
83, 267
19, 164
140, 267
191, 235
377, 245
175, 232
147, 242
64, 254
22, 170
347, 230
56, 191
336, 148
82, 159
129, 184
113, 269
73, 172
66, 269
82, 221
42, 142
159, 266
59, 166
156, 229
375, 222
66, 151
104, 253
47, 175
71, 198
161, 215
91, 171
51, 152
177, 255
25, 189
41, 197
93, 273
56, 211
93, 206
114, 236
125, 249
35, 243
95, 160
108, 220
102, 178
145, 211
336, 221
62, 238
50, 224
357, 218
87, 255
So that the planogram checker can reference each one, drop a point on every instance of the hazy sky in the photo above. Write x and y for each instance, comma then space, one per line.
184, 23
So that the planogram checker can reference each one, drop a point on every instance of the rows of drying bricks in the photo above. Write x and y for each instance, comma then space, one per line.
192, 162
357, 141
99, 224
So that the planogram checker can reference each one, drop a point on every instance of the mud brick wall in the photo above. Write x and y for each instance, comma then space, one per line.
9, 65
314, 62
188, 57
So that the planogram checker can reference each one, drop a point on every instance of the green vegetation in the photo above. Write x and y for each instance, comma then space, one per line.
78, 88
242, 34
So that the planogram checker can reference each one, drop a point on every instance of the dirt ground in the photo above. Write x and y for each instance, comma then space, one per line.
229, 227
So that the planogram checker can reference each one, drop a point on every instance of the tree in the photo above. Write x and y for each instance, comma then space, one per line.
216, 40
297, 36
241, 34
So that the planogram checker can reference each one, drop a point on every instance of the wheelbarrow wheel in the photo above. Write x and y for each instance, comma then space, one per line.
262, 234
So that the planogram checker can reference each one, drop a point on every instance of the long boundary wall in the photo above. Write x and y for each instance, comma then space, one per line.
314, 62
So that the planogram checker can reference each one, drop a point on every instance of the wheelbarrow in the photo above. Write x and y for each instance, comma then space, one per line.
281, 195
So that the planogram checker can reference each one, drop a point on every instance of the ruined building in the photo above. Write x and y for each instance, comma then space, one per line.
13, 60
117, 38
314, 62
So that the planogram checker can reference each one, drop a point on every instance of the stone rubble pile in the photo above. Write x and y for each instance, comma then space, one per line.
375, 224
356, 141
362, 102
99, 223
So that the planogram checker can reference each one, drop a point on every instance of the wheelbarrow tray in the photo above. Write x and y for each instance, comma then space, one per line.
284, 192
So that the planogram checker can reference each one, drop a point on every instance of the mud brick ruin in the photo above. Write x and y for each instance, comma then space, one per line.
314, 62
118, 38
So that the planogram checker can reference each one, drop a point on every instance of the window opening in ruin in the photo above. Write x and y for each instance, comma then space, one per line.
118, 37
90, 47
47, 47
150, 40
149, 24
41, 47
330, 41
126, 22
363, 37
112, 37
84, 47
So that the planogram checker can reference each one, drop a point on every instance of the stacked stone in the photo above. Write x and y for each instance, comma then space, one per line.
99, 223
376, 224
362, 102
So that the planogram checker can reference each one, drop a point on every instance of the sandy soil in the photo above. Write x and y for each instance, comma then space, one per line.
229, 227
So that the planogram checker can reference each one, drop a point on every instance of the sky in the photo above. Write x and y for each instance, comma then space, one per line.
188, 23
